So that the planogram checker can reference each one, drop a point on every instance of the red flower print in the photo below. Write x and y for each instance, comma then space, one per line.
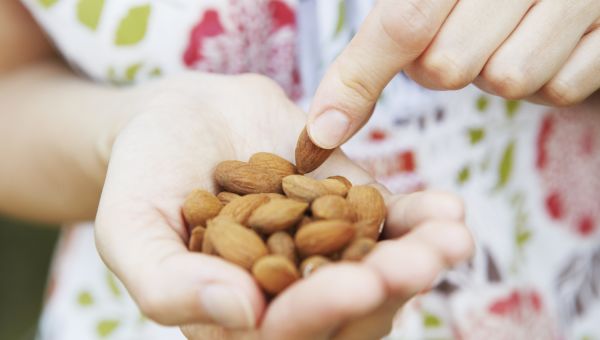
568, 159
252, 36
519, 314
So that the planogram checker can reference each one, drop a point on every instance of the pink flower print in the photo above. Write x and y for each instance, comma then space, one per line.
568, 159
253, 36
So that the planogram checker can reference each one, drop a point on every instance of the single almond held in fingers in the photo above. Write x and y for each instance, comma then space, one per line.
358, 249
331, 207
235, 242
273, 163
281, 243
274, 273
225, 197
246, 178
308, 155
369, 208
324, 237
196, 239
241, 208
276, 215
310, 264
199, 206
303, 188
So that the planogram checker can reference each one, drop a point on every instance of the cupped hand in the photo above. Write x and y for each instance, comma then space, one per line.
546, 51
188, 125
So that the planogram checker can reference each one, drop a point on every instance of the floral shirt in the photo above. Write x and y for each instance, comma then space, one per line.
530, 175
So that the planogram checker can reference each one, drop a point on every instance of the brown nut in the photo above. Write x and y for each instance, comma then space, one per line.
324, 237
225, 197
308, 155
235, 242
312, 263
246, 178
200, 206
281, 243
241, 208
303, 188
273, 163
274, 273
358, 249
342, 179
196, 238
276, 215
332, 207
369, 207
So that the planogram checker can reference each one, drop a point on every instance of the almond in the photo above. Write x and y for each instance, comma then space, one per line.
200, 206
312, 263
246, 178
235, 242
277, 215
275, 196
225, 197
241, 208
273, 163
303, 188
369, 208
324, 237
308, 155
334, 187
281, 243
207, 246
331, 207
197, 238
342, 179
274, 273
358, 249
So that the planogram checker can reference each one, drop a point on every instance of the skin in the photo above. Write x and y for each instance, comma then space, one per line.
545, 51
65, 140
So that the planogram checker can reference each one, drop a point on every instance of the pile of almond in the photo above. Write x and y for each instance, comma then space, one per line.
279, 224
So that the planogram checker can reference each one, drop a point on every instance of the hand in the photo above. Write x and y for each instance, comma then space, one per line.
185, 128
547, 51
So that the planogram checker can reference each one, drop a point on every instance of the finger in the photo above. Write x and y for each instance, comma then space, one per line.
467, 39
171, 285
578, 78
538, 48
314, 307
216, 332
394, 33
407, 211
422, 255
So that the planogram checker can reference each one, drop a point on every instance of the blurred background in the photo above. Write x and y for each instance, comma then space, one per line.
25, 254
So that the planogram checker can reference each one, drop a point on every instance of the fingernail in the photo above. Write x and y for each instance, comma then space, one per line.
227, 306
329, 129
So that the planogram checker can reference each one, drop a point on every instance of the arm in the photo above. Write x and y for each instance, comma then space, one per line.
56, 130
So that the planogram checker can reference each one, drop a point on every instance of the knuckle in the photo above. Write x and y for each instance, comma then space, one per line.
560, 93
410, 23
358, 81
447, 72
508, 82
152, 304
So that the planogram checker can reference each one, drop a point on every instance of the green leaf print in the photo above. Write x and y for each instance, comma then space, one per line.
132, 28
463, 175
476, 135
482, 103
341, 17
522, 237
112, 284
431, 321
47, 3
85, 299
131, 72
106, 327
506, 165
88, 12
155, 72
511, 106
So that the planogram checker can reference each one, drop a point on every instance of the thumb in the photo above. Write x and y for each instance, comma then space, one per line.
393, 35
